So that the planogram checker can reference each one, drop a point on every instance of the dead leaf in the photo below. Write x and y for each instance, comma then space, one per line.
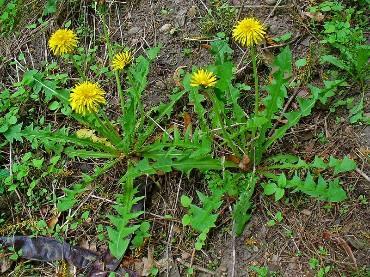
5, 263
233, 158
187, 121
206, 46
317, 16
244, 163
176, 77
148, 262
53, 221
306, 212
192, 12
303, 93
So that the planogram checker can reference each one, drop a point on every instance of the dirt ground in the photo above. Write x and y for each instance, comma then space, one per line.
337, 235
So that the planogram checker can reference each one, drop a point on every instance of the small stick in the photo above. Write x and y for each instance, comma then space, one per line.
196, 267
261, 6
367, 178
272, 11
283, 111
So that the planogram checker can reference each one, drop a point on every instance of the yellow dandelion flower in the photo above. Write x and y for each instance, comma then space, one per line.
204, 78
121, 60
86, 98
249, 31
63, 41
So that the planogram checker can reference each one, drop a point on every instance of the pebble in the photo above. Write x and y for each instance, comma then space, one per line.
180, 17
160, 85
133, 30
270, 2
274, 29
222, 268
275, 259
273, 2
165, 28
306, 212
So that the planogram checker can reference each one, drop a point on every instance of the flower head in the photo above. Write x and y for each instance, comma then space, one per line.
249, 31
121, 60
203, 77
63, 41
86, 98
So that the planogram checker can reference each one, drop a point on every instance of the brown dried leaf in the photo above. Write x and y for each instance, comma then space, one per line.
233, 158
53, 221
148, 262
187, 121
5, 263
244, 163
317, 16
176, 77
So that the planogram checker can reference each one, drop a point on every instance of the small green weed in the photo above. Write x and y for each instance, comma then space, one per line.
347, 51
219, 18
9, 11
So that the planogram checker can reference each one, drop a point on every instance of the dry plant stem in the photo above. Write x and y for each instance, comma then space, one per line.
196, 267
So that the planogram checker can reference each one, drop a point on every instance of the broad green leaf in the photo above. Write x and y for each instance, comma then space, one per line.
279, 193
283, 38
185, 201
300, 63
54, 105
269, 188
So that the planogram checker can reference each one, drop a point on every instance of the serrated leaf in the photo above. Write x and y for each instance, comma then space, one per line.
241, 210
334, 61
14, 133
319, 163
340, 166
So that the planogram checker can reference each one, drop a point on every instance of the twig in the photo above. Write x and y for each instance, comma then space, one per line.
346, 248
233, 246
196, 267
168, 248
160, 127
367, 178
261, 6
284, 110
104, 199
272, 11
